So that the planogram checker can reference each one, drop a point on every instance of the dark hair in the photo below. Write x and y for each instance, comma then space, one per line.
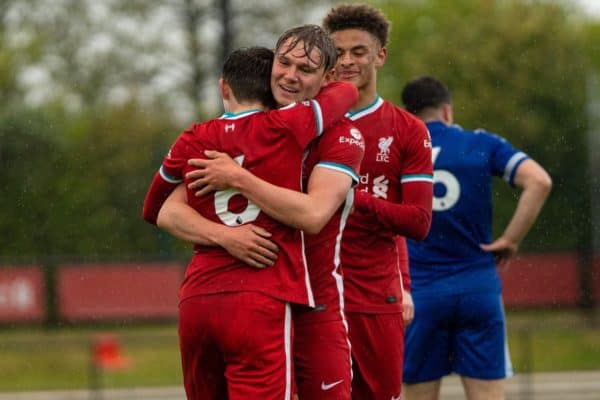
248, 72
358, 16
424, 92
313, 36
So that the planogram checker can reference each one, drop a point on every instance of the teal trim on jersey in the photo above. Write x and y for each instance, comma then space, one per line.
417, 178
169, 178
318, 116
229, 115
342, 168
354, 115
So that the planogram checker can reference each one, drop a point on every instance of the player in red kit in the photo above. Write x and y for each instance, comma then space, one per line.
322, 351
235, 321
393, 198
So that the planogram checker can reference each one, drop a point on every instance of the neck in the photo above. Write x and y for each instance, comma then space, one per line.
236, 108
366, 96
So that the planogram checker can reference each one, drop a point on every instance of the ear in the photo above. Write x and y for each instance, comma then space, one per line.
447, 113
225, 89
328, 77
380, 57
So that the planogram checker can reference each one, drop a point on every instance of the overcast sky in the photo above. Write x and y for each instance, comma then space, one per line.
593, 6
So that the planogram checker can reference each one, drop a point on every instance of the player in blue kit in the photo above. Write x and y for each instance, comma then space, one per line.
459, 323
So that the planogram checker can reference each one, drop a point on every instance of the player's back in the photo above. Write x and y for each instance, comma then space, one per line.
464, 164
268, 149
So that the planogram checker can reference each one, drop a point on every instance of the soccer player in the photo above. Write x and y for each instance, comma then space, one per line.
235, 321
322, 352
459, 323
393, 198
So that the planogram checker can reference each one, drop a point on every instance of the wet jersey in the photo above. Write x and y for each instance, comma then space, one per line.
271, 145
450, 259
398, 152
341, 148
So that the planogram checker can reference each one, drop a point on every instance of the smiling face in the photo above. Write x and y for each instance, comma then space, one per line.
296, 74
359, 57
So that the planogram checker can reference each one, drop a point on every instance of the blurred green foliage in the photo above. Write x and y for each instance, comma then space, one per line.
74, 169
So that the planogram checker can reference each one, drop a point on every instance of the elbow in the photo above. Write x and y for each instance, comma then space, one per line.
313, 223
545, 184
149, 215
421, 226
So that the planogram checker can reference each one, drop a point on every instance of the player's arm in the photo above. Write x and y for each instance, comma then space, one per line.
411, 218
158, 192
536, 184
248, 243
327, 189
309, 119
408, 306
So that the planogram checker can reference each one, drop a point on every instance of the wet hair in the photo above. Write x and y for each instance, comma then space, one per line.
424, 92
358, 16
248, 72
312, 36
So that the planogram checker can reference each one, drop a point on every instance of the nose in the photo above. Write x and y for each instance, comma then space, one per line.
291, 73
345, 59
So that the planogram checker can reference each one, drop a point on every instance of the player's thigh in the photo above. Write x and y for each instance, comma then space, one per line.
202, 362
481, 349
478, 389
377, 342
422, 391
256, 338
429, 338
322, 359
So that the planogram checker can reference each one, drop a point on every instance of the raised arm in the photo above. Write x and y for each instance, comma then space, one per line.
536, 184
327, 189
248, 243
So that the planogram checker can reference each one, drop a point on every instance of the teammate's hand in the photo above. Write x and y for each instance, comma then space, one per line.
502, 249
408, 307
214, 173
250, 244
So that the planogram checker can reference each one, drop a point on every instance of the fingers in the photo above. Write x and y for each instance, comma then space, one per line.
198, 162
205, 190
214, 154
260, 231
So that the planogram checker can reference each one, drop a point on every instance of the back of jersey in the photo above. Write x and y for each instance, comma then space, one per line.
464, 164
271, 152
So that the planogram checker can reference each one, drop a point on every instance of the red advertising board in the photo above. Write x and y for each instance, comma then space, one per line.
547, 279
22, 294
93, 292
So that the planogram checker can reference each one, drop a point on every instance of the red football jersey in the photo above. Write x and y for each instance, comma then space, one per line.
271, 145
398, 151
340, 148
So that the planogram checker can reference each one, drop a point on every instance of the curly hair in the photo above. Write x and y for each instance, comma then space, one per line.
358, 16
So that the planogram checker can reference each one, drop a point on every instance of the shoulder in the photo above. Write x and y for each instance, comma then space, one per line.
403, 121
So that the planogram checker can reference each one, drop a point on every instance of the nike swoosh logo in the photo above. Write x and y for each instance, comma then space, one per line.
327, 386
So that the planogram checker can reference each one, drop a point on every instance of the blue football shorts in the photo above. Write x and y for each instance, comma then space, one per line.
461, 333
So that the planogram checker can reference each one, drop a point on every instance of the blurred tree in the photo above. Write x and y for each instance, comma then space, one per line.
517, 68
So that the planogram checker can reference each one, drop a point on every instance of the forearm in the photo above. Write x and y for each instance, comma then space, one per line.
307, 212
411, 218
536, 185
158, 192
183, 222
528, 208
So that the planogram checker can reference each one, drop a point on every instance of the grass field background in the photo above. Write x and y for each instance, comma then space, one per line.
60, 358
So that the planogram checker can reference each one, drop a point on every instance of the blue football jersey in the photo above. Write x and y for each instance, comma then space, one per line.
450, 260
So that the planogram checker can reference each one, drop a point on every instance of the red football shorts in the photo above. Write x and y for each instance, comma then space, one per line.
377, 355
322, 357
236, 346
